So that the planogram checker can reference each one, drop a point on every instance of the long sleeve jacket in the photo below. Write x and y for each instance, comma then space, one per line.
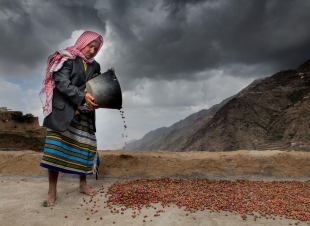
68, 94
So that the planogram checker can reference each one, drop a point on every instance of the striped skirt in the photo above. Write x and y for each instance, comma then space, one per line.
73, 151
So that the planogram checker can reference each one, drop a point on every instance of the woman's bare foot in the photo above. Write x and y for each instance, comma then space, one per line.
84, 188
50, 200
52, 189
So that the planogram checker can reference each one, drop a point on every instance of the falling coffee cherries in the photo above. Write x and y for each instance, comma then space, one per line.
124, 135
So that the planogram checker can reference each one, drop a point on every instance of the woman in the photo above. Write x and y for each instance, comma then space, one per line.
69, 112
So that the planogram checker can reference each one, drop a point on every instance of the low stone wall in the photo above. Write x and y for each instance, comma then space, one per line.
137, 164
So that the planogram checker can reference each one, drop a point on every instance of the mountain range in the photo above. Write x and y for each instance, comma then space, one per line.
152, 135
271, 113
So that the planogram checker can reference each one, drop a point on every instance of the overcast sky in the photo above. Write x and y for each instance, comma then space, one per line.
172, 58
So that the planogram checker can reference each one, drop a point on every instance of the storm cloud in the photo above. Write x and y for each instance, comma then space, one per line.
162, 40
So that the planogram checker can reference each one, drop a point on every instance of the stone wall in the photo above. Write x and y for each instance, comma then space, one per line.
220, 165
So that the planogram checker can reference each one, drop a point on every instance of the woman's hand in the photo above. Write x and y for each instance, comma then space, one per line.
89, 100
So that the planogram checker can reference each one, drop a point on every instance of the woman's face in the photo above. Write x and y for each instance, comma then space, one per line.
91, 49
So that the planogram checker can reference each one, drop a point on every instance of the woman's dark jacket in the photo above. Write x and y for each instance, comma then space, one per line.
68, 94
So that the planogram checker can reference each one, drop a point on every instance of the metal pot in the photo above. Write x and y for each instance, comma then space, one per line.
106, 90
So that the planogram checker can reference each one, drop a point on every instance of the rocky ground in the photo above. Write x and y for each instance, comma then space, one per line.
23, 186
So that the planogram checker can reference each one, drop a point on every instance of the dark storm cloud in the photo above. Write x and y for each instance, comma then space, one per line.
196, 36
164, 39
268, 32
32, 30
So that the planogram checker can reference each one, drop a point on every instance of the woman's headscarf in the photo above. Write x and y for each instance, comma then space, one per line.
55, 62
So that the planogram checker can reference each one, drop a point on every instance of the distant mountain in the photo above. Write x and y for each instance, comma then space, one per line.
269, 114
152, 135
132, 140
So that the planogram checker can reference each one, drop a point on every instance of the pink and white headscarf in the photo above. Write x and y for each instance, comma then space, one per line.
55, 62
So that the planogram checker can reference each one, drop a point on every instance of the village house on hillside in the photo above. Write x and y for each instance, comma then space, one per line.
5, 114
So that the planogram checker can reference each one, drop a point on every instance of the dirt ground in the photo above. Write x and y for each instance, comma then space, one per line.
23, 187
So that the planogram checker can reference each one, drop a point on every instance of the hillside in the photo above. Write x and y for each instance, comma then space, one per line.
21, 135
152, 135
271, 114
28, 140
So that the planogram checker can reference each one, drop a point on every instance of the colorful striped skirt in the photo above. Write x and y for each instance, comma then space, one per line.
73, 151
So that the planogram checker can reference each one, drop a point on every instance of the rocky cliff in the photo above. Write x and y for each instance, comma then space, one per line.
271, 114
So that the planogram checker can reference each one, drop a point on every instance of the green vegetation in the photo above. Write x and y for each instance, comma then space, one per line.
292, 135
297, 95
19, 117
307, 81
259, 125
275, 135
